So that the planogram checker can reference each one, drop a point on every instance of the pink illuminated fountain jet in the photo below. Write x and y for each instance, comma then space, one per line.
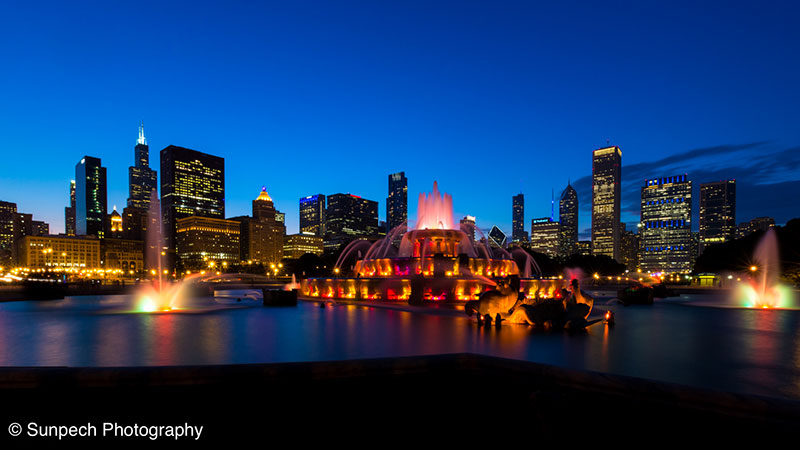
764, 289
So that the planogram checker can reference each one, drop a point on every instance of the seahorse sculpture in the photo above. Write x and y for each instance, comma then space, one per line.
497, 301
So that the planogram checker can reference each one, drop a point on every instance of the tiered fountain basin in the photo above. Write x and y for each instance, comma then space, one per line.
431, 265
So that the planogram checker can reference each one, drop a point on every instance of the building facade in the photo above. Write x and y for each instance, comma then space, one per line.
467, 225
58, 252
545, 236
584, 248
757, 224
124, 258
207, 243
568, 218
350, 217
518, 234
717, 212
262, 236
629, 249
192, 184
397, 201
312, 215
606, 198
666, 225
40, 228
69, 211
297, 245
90, 197
7, 212
114, 225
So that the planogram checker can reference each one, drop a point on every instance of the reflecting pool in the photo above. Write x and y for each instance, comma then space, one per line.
694, 340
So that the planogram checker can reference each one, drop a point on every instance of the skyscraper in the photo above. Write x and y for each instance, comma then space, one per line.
192, 184
717, 212
518, 219
69, 211
666, 225
90, 197
141, 178
262, 236
350, 217
8, 211
606, 195
467, 225
545, 234
568, 218
397, 201
312, 215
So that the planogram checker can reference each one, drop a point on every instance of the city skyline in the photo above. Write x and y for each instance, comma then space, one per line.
535, 108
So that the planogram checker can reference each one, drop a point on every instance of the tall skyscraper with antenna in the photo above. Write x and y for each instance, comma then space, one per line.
141, 178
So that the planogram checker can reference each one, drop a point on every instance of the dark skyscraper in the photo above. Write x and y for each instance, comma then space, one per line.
606, 196
69, 211
8, 212
397, 201
518, 219
192, 184
312, 215
350, 217
717, 212
666, 225
568, 217
141, 178
90, 197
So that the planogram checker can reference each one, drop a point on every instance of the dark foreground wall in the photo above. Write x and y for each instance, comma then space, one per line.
445, 397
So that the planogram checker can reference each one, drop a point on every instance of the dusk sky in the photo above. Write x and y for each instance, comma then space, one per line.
489, 98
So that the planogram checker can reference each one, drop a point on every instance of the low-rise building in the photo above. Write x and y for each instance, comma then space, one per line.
297, 245
205, 242
123, 257
58, 252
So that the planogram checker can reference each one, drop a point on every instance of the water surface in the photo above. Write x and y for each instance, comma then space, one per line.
686, 340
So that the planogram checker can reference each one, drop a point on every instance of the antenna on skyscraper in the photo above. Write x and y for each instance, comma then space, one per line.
552, 205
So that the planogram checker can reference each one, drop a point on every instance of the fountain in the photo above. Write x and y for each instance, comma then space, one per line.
434, 261
764, 289
158, 296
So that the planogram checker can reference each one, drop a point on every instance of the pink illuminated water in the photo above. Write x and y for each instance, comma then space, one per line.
764, 289
435, 211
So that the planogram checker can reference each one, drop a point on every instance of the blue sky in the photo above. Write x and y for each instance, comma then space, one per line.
489, 98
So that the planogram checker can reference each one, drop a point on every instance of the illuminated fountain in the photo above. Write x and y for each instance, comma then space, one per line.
159, 295
434, 261
764, 289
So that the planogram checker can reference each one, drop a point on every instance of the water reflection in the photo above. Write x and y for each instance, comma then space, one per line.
740, 350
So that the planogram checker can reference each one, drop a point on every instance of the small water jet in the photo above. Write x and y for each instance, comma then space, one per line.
764, 289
